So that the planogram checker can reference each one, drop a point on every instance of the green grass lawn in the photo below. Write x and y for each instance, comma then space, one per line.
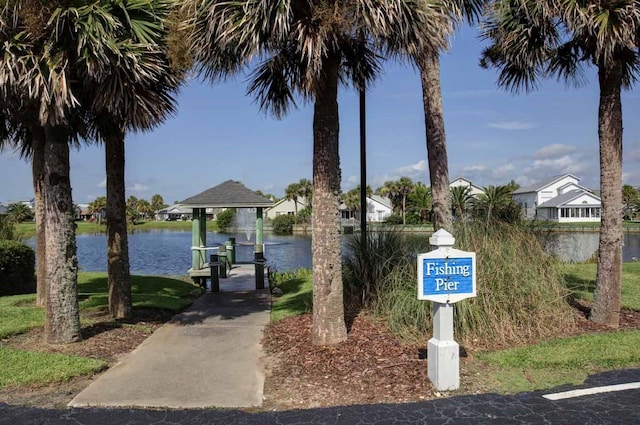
581, 281
570, 360
297, 295
19, 313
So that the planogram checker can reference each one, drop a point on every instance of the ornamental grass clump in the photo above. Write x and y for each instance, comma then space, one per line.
521, 295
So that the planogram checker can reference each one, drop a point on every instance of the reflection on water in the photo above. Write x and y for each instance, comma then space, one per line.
167, 252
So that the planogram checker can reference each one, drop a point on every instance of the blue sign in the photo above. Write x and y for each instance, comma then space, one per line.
447, 276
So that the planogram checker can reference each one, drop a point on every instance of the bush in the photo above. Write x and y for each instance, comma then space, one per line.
7, 230
225, 219
393, 219
283, 224
17, 268
368, 262
521, 295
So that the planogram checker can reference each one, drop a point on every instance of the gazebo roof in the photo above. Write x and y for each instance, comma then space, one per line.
229, 194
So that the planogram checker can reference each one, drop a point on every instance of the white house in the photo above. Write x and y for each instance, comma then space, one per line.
175, 212
286, 207
461, 181
559, 198
378, 209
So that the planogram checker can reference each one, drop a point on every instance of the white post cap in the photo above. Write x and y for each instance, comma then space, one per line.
442, 238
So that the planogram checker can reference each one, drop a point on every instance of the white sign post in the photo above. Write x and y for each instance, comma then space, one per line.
445, 276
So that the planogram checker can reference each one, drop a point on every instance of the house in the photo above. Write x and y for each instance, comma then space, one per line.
286, 207
173, 213
461, 181
378, 209
3, 209
559, 198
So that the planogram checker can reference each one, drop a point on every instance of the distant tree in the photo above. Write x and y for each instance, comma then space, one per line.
157, 202
461, 200
132, 209
145, 209
224, 219
97, 206
19, 212
630, 199
305, 190
492, 199
420, 201
291, 193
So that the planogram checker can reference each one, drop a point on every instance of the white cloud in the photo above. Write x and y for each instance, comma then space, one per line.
413, 168
138, 187
551, 151
512, 125
103, 183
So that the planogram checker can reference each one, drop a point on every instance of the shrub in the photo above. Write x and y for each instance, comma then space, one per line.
17, 268
225, 219
521, 296
283, 224
393, 219
368, 261
8, 230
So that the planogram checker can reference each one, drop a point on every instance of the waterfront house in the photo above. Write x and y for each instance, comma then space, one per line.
378, 209
286, 207
559, 198
464, 182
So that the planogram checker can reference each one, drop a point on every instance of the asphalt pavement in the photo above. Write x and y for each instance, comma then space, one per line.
606, 408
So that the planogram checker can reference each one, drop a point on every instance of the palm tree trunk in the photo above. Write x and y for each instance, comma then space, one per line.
429, 65
62, 318
328, 305
606, 298
117, 242
37, 171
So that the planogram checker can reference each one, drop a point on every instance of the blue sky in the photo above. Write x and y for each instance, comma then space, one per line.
493, 136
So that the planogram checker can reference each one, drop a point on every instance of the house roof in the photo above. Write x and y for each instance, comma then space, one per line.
566, 198
229, 194
302, 202
381, 200
542, 184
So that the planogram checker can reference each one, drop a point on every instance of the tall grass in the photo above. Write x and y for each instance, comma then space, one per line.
8, 230
367, 261
521, 295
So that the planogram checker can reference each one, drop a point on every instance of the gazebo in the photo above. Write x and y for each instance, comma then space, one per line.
230, 194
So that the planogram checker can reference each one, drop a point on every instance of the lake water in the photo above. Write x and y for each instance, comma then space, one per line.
167, 252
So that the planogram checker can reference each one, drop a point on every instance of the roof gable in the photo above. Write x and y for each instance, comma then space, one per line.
227, 194
566, 198
544, 183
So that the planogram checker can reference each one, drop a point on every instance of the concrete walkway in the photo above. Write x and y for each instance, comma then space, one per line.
208, 356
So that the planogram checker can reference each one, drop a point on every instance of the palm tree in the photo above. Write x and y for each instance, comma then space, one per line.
136, 94
37, 75
291, 193
421, 201
305, 190
157, 202
307, 49
427, 60
630, 198
492, 199
19, 212
461, 199
531, 39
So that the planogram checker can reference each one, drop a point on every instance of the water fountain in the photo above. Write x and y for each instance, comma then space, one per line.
245, 221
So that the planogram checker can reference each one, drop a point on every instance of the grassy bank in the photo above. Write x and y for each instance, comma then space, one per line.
28, 229
19, 313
